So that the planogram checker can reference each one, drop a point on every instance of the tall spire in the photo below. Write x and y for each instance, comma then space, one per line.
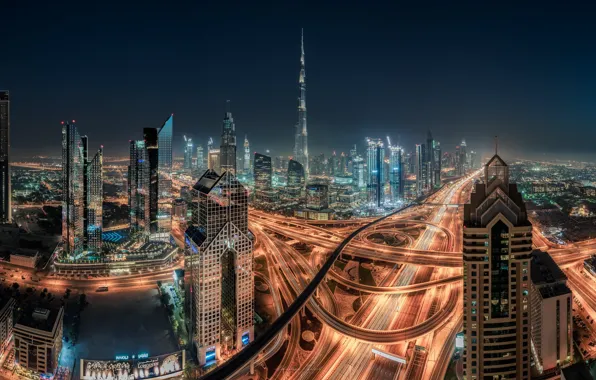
301, 133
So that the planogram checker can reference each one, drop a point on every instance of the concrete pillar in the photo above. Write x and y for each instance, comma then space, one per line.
252, 367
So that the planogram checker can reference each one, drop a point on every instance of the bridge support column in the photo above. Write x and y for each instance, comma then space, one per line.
252, 367
317, 292
303, 311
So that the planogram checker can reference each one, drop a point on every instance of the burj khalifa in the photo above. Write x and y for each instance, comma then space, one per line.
301, 136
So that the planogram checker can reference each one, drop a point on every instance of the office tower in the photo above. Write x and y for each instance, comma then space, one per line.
94, 201
5, 188
213, 160
353, 151
473, 159
188, 151
497, 246
358, 172
73, 193
375, 156
333, 164
343, 164
552, 335
295, 174
301, 136
247, 159
430, 159
461, 159
227, 149
157, 165
262, 172
437, 165
317, 196
138, 189
395, 174
200, 158
420, 169
209, 145
165, 198
222, 273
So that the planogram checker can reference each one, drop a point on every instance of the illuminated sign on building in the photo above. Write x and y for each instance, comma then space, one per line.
141, 367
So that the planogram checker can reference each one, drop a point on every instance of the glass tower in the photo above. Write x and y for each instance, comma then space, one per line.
295, 174
94, 202
73, 192
246, 155
138, 189
5, 189
188, 152
395, 174
164, 178
263, 172
375, 156
227, 149
221, 254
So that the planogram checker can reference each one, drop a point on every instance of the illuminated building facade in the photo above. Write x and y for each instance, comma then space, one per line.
375, 156
497, 247
93, 224
138, 189
552, 323
213, 162
263, 173
317, 197
151, 181
301, 135
222, 275
437, 164
227, 149
5, 188
73, 194
38, 340
420, 168
6, 324
247, 160
358, 176
396, 179
295, 174
200, 158
188, 152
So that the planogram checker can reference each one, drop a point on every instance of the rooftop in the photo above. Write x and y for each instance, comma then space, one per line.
39, 317
545, 271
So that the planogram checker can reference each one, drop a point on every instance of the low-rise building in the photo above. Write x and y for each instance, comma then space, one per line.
25, 257
552, 338
38, 339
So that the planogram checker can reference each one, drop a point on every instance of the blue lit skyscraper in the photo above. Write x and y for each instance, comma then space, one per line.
94, 202
73, 193
395, 174
227, 149
164, 178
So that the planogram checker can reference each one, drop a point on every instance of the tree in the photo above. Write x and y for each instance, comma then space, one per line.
190, 371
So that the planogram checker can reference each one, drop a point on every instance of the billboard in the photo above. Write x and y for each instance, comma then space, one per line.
127, 368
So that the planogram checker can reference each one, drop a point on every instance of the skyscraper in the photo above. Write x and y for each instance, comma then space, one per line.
430, 160
296, 177
497, 246
150, 181
82, 195
227, 150
247, 160
138, 189
301, 135
395, 174
73, 191
375, 156
5, 188
94, 201
188, 152
437, 164
262, 172
222, 272
200, 157
420, 168
461, 159
358, 176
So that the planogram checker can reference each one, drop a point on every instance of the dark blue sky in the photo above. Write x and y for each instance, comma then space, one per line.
525, 73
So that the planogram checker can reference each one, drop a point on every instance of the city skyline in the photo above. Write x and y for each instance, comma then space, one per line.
464, 86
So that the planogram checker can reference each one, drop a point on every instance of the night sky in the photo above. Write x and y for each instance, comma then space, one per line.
526, 73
